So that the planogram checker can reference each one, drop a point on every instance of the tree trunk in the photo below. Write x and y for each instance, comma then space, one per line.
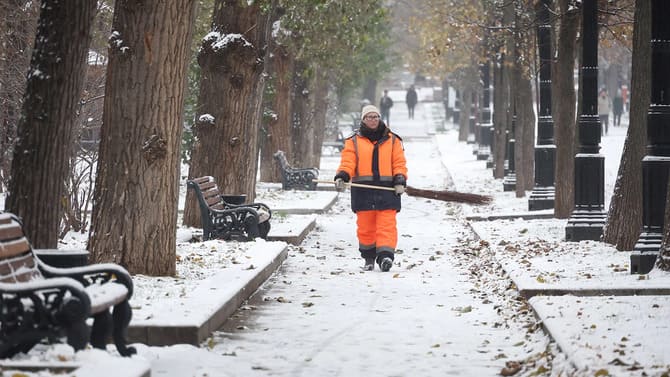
564, 107
17, 33
464, 120
370, 91
228, 117
279, 129
501, 133
134, 216
320, 108
524, 155
663, 260
45, 131
499, 113
624, 220
302, 129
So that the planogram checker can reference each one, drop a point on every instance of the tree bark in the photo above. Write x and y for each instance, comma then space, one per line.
320, 108
230, 101
370, 91
134, 216
663, 260
279, 129
17, 33
45, 131
303, 127
464, 120
524, 154
500, 108
501, 133
564, 108
624, 220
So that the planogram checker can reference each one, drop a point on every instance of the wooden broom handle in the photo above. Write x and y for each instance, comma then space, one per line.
361, 185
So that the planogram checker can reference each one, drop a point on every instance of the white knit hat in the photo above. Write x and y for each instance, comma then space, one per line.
369, 109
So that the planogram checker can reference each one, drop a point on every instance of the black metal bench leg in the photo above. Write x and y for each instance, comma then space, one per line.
77, 334
122, 315
264, 229
251, 226
101, 330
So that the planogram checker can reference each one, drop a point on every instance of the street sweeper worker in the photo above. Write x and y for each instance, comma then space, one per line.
375, 156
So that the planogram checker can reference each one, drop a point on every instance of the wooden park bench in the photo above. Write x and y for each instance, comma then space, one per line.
295, 178
40, 302
226, 216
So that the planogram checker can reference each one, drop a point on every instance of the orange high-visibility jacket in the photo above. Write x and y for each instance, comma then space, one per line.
375, 164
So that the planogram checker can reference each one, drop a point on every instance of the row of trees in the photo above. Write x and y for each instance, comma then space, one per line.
247, 78
457, 36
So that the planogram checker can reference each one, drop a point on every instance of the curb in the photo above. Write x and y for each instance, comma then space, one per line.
163, 335
294, 239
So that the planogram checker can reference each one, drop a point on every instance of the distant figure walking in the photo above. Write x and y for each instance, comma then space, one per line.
617, 108
411, 99
385, 105
604, 110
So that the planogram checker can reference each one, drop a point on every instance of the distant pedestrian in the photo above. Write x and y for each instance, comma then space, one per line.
411, 98
617, 108
604, 108
385, 105
374, 156
624, 95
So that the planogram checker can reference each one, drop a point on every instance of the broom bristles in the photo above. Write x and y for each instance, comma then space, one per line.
449, 196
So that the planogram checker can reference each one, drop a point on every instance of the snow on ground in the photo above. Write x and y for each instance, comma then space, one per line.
446, 308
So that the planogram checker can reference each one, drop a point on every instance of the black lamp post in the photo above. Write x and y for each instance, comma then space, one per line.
656, 163
588, 217
485, 127
542, 196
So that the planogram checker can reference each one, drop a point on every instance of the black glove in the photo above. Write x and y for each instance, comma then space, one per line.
399, 184
340, 178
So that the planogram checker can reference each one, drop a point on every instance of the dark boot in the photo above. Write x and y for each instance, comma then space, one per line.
369, 264
385, 258
385, 264
369, 256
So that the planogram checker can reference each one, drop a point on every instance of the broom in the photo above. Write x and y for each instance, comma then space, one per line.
444, 195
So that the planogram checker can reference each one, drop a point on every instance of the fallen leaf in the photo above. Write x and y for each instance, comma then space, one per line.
511, 368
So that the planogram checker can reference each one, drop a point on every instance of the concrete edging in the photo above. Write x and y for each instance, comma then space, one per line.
169, 335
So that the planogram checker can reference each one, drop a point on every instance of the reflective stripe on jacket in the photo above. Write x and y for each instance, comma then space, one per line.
375, 164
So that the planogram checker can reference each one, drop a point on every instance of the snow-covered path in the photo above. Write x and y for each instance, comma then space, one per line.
320, 315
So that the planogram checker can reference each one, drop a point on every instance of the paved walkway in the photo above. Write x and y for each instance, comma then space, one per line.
321, 316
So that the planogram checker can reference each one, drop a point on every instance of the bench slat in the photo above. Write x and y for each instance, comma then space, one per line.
104, 296
21, 269
207, 185
9, 249
5, 218
10, 231
200, 180
213, 200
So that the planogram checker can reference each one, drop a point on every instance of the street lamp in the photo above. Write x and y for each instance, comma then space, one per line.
543, 193
656, 163
588, 216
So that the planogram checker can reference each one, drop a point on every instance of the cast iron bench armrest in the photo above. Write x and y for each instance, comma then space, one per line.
93, 274
256, 206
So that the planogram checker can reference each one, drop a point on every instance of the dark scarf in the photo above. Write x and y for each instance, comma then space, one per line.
374, 135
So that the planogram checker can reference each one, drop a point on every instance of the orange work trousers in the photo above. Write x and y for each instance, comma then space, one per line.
377, 228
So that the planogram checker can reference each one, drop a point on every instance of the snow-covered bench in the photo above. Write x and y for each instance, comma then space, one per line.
295, 178
40, 302
226, 216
